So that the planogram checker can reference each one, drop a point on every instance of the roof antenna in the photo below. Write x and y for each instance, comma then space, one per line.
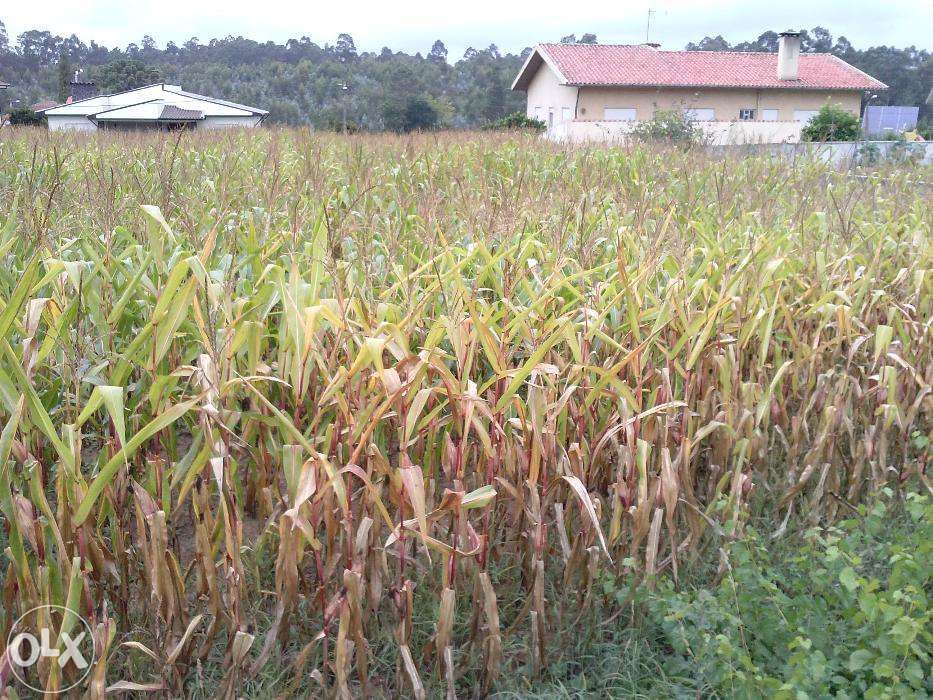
648, 26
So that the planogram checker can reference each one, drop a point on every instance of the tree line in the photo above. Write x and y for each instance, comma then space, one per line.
329, 85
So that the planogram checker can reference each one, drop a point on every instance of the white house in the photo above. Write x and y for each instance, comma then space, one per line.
600, 92
157, 106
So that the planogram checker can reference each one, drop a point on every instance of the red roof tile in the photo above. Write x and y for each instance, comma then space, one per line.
602, 64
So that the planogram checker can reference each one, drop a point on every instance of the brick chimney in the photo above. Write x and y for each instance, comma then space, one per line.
788, 55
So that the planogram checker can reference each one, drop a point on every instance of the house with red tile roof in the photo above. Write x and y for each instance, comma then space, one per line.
742, 97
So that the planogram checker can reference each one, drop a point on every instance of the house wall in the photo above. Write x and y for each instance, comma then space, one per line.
725, 102
79, 123
546, 96
71, 122
228, 122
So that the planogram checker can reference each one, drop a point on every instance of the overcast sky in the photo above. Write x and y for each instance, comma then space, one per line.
414, 25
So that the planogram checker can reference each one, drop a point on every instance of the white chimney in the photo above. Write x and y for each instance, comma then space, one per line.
788, 55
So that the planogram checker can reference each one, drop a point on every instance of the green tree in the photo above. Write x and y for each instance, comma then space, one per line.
411, 113
587, 38
126, 74
438, 52
832, 124
65, 75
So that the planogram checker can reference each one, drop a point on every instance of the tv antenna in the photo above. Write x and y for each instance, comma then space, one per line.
648, 26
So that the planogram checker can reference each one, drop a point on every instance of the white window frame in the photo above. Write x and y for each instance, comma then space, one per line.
748, 114
700, 114
619, 114
769, 115
805, 115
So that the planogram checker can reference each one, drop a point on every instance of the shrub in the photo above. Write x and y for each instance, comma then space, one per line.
832, 124
844, 615
26, 117
516, 121
925, 127
868, 153
670, 126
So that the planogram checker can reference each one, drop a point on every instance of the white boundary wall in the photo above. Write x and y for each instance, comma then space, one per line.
846, 151
724, 139
719, 133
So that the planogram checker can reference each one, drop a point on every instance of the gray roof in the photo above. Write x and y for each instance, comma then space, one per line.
177, 114
226, 103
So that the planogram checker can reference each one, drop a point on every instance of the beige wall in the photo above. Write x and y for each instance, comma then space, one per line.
726, 102
546, 93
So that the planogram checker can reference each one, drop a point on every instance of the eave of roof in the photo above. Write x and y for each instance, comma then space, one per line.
235, 105
254, 111
102, 95
532, 63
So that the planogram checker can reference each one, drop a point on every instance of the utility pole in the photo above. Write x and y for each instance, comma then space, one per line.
345, 89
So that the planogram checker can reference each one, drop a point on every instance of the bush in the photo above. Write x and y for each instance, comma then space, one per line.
844, 615
670, 126
516, 121
925, 127
832, 124
26, 117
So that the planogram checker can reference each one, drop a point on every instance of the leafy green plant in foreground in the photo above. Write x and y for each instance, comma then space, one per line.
845, 614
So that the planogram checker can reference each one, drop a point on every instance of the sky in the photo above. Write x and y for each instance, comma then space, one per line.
413, 26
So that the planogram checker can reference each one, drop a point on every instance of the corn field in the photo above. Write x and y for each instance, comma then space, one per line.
373, 415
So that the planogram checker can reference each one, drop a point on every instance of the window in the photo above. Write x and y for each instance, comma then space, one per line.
538, 114
805, 115
769, 115
700, 114
550, 118
566, 114
619, 114
747, 114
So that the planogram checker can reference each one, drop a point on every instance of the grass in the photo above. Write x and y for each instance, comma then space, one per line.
382, 415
